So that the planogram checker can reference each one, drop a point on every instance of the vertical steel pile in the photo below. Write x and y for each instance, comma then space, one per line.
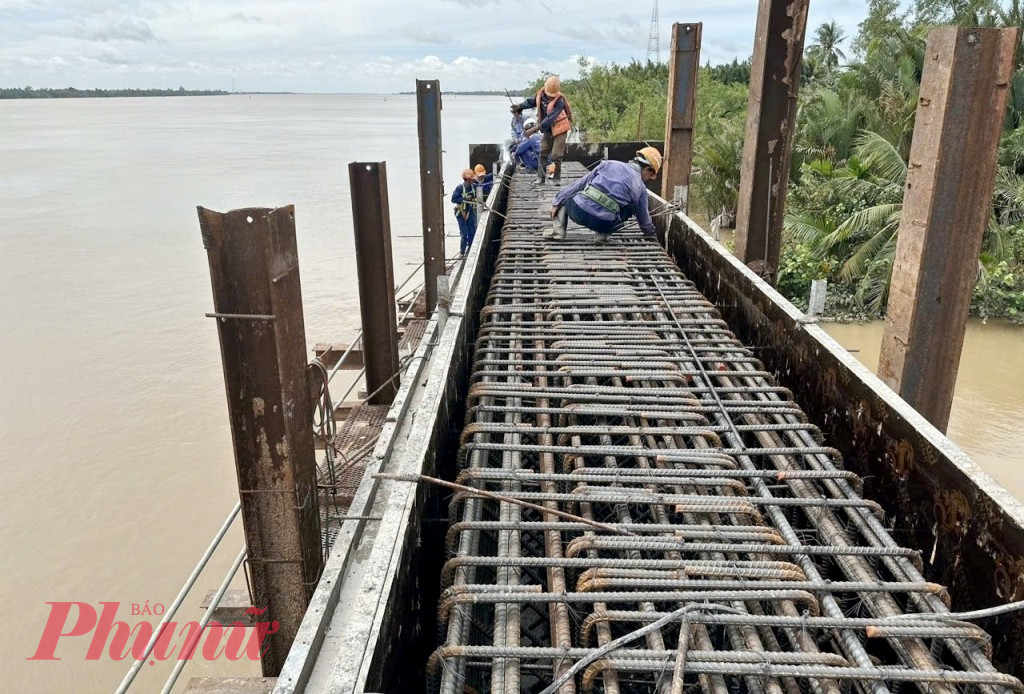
741, 556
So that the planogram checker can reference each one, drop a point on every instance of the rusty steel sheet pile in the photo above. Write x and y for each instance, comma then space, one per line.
697, 533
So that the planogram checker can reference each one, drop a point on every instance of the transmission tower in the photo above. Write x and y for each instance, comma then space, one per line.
653, 40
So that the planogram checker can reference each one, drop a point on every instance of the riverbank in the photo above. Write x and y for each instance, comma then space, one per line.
72, 93
994, 299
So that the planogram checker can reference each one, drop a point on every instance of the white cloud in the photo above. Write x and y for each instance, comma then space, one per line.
462, 72
420, 34
341, 45
123, 29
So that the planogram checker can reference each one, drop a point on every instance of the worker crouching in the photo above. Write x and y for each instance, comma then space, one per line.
607, 197
528, 151
464, 199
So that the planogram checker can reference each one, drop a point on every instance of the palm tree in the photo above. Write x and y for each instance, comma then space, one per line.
717, 177
1009, 198
828, 123
890, 78
826, 50
1013, 16
866, 240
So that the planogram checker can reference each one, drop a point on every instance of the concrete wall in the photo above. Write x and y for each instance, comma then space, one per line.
408, 630
969, 529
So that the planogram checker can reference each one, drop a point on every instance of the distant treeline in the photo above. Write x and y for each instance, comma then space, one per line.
72, 93
736, 72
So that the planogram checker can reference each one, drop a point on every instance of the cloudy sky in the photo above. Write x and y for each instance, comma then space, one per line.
349, 45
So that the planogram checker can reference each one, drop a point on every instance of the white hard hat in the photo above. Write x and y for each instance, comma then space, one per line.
530, 122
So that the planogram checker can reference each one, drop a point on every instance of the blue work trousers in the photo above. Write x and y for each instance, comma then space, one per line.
467, 230
586, 219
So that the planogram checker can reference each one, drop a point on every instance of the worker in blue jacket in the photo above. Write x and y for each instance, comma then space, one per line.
464, 198
517, 127
607, 197
528, 151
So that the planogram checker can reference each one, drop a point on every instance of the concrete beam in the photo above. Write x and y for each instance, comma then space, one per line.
768, 140
329, 354
684, 64
428, 120
946, 206
257, 297
231, 685
372, 221
231, 608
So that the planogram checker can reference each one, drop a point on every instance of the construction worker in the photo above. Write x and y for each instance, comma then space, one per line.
517, 127
484, 180
554, 118
528, 151
464, 198
605, 198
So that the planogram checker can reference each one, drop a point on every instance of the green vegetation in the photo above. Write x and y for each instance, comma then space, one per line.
72, 93
858, 101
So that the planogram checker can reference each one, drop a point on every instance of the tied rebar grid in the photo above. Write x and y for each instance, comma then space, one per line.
605, 386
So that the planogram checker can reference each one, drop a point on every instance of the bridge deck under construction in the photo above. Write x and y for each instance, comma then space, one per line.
676, 494
641, 506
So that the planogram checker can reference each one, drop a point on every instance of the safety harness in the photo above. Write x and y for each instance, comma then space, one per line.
464, 208
602, 199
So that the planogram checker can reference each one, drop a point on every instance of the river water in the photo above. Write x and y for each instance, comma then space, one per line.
987, 420
117, 463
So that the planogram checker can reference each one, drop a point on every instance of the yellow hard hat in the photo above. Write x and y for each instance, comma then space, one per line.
467, 174
552, 86
649, 156
480, 170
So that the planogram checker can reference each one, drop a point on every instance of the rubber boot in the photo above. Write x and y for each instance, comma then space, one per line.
557, 178
559, 223
542, 174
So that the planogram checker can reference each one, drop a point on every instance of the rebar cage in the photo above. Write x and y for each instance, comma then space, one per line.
696, 532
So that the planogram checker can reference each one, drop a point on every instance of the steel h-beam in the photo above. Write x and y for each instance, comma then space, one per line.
946, 207
684, 64
428, 119
372, 218
768, 139
254, 270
